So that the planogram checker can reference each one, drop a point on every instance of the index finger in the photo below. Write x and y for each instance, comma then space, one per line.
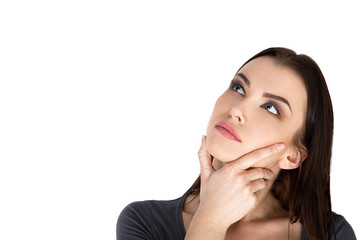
251, 158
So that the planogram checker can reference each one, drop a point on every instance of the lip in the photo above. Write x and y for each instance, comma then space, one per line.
227, 131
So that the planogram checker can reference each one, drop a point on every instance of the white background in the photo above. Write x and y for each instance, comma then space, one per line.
104, 102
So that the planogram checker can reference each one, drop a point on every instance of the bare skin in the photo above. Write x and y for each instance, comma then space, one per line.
235, 200
265, 219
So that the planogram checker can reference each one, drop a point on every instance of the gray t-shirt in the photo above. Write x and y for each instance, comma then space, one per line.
162, 220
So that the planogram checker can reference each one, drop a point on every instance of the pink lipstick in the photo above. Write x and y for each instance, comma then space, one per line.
227, 131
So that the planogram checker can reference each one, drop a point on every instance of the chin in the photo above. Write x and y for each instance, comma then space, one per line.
223, 154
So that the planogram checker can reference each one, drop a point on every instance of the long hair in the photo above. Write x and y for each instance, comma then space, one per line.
305, 191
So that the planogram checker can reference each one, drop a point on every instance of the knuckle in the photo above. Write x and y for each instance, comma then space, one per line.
271, 174
267, 173
200, 152
269, 151
263, 172
233, 170
248, 190
273, 150
259, 184
255, 156
262, 183
240, 180
229, 171
255, 197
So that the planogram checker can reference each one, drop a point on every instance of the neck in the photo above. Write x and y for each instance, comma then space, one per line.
267, 206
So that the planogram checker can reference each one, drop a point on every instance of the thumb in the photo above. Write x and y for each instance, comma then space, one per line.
205, 161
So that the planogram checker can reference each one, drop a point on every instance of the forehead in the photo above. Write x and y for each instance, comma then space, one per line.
266, 75
264, 72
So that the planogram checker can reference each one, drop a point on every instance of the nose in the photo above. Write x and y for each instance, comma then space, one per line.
237, 114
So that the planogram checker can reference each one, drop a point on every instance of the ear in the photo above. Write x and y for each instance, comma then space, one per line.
293, 158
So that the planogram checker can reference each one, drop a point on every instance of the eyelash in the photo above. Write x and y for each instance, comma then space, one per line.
237, 85
278, 114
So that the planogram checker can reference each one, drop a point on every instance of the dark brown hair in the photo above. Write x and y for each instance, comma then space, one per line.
305, 191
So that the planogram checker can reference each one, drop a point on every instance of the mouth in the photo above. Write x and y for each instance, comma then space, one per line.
227, 131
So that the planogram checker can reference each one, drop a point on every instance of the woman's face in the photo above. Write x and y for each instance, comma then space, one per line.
264, 104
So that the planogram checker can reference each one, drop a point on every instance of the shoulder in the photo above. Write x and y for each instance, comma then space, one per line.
342, 228
152, 208
150, 219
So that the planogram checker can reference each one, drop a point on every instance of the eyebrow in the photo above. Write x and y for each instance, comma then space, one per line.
244, 78
268, 95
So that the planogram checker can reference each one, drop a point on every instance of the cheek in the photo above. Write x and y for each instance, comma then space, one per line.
271, 134
272, 137
264, 136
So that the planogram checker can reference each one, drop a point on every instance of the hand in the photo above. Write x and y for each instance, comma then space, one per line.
228, 194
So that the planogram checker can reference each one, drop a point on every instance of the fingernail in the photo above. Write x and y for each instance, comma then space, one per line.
280, 146
202, 139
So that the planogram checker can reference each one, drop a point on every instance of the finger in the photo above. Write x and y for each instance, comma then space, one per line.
258, 184
205, 161
253, 174
250, 159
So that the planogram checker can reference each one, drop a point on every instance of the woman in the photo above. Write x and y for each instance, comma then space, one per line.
265, 162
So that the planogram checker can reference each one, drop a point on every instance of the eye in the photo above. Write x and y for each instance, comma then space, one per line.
271, 108
238, 88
